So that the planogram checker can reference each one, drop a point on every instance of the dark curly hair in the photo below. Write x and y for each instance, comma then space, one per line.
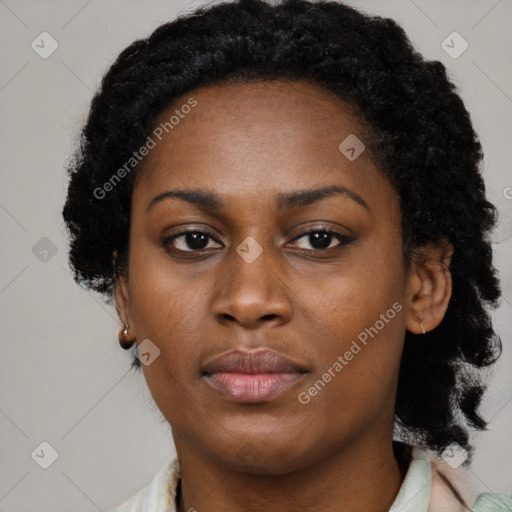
420, 135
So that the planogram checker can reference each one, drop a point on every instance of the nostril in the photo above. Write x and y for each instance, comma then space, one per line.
227, 316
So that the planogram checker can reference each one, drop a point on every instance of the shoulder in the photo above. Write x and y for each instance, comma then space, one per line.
159, 495
454, 489
488, 502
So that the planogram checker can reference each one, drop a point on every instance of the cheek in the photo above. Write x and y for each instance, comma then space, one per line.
354, 384
161, 297
360, 323
354, 295
166, 310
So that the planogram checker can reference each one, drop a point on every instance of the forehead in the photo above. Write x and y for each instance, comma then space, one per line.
257, 137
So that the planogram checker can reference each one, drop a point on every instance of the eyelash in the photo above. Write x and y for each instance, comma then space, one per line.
343, 239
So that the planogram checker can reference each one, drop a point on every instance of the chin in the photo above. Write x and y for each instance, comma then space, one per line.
266, 458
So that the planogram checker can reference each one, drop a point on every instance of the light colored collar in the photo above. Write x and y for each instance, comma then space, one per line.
414, 494
159, 495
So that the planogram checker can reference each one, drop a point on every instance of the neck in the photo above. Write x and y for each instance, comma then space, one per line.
363, 476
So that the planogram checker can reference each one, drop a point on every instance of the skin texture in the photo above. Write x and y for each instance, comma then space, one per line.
247, 143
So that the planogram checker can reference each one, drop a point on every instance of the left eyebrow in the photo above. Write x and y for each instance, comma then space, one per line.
208, 200
308, 196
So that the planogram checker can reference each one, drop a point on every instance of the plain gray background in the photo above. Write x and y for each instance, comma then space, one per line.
64, 379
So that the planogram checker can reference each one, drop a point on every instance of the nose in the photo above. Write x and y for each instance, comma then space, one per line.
252, 294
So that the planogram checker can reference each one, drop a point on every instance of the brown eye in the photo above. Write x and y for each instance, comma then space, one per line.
322, 239
189, 241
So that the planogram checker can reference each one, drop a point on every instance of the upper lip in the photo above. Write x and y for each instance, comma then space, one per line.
252, 362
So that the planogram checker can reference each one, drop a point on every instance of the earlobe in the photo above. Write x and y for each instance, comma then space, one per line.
122, 301
430, 287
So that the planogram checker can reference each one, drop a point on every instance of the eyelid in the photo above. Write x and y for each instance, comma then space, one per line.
321, 226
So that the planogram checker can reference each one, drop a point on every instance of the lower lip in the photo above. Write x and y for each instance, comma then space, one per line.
251, 388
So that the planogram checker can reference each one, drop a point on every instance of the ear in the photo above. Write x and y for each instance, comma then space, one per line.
429, 286
122, 296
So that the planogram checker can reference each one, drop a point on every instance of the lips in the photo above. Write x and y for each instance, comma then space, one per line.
252, 377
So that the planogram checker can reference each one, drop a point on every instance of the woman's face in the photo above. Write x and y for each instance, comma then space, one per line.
262, 276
